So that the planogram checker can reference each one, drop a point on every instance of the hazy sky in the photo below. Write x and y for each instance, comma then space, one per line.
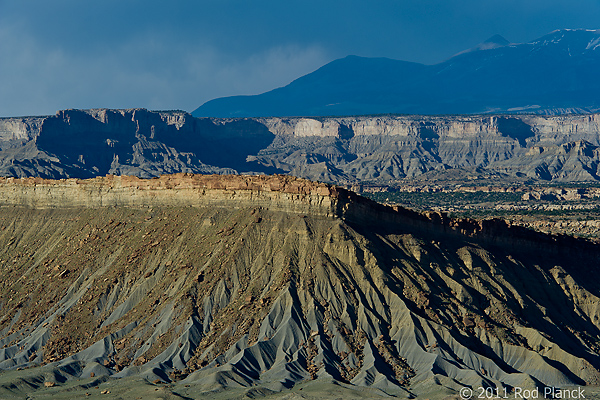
178, 54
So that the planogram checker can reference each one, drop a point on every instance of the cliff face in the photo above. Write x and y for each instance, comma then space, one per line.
20, 129
518, 127
277, 193
90, 143
381, 149
265, 284
281, 193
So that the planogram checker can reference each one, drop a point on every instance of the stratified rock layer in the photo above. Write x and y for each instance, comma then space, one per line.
388, 148
282, 193
349, 150
233, 281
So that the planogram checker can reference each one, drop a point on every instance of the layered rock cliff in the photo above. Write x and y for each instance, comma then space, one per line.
380, 149
282, 193
388, 148
274, 284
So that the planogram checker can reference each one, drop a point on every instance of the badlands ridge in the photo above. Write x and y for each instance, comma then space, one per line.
272, 285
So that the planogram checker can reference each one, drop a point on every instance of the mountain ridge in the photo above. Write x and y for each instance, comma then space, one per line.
541, 76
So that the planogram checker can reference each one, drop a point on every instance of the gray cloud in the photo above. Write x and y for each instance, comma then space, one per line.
69, 53
140, 72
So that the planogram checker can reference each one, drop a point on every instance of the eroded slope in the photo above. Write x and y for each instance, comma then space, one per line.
239, 295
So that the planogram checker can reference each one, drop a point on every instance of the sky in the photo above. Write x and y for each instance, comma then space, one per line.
179, 54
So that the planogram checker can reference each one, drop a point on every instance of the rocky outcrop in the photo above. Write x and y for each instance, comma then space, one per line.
84, 144
19, 129
282, 193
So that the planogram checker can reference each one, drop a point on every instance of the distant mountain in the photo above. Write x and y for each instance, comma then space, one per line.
554, 74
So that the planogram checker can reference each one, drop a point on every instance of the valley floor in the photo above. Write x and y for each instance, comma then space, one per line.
569, 210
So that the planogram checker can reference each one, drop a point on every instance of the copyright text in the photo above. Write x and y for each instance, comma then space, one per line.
549, 392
